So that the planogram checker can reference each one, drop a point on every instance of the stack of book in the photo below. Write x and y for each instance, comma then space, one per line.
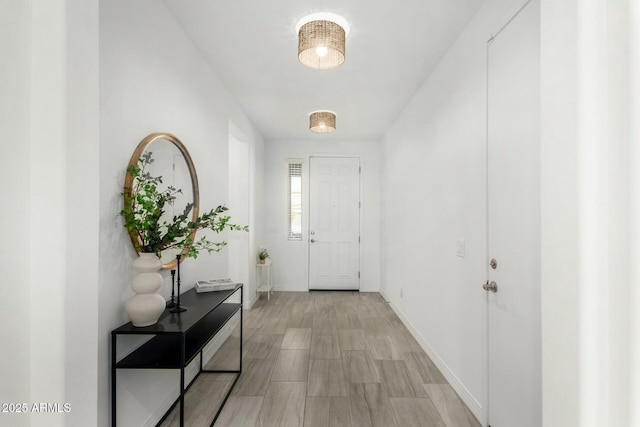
214, 285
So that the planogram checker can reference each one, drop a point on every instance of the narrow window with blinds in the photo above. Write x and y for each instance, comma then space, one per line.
295, 201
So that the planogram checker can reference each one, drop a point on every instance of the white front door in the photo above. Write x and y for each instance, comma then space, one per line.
514, 347
334, 223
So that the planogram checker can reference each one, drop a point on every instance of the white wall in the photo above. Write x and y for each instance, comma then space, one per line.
15, 209
152, 79
49, 107
290, 258
82, 183
434, 193
590, 193
559, 220
633, 349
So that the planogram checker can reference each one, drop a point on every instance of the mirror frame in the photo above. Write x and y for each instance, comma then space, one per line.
128, 183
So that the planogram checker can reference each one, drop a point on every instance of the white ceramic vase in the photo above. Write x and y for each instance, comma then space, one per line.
146, 306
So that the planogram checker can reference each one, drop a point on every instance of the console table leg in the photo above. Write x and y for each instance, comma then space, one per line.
241, 330
113, 379
182, 357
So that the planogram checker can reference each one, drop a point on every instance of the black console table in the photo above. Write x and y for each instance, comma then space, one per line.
178, 339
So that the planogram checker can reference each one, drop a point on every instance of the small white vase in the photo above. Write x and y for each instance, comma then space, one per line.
146, 306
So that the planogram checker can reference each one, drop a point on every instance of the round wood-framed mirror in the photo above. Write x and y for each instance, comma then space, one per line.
172, 162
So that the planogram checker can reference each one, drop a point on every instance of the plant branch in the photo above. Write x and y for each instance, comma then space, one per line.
144, 210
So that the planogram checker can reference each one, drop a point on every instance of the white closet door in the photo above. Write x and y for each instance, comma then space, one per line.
514, 223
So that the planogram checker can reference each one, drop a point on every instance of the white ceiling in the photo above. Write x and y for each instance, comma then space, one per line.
391, 49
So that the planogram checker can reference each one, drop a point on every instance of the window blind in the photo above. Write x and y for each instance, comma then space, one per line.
295, 201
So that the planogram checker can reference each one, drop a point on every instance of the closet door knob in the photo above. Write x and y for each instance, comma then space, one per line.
493, 286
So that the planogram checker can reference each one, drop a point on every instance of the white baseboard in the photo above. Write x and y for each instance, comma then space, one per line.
293, 288
384, 296
251, 302
474, 406
289, 288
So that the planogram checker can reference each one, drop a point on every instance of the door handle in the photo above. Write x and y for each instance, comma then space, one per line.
493, 286
312, 240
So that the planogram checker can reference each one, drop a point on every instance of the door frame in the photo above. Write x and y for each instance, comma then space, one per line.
306, 214
243, 265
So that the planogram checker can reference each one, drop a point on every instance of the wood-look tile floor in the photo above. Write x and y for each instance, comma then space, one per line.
325, 359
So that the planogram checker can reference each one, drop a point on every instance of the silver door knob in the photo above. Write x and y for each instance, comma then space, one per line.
312, 240
490, 286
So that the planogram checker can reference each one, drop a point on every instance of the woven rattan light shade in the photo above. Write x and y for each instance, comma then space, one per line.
321, 45
322, 121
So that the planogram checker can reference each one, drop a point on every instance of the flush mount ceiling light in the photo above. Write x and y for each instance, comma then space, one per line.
322, 121
321, 40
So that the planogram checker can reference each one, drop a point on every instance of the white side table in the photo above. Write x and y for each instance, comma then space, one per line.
261, 269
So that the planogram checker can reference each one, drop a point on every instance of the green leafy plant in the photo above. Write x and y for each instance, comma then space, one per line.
144, 209
263, 254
